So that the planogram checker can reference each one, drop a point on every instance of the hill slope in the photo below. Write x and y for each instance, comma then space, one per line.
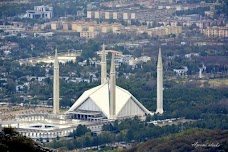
200, 140
11, 141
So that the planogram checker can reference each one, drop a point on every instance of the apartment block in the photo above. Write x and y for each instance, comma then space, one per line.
88, 35
111, 15
216, 31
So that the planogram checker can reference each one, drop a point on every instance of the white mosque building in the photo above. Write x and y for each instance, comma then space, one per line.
107, 101
95, 107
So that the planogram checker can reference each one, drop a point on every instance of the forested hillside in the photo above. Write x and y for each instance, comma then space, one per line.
200, 140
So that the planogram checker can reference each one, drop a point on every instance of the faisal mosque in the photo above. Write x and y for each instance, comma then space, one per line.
95, 107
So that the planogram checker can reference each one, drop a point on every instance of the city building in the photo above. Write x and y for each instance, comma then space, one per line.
215, 31
56, 25
164, 30
88, 35
112, 14
11, 29
90, 29
45, 12
66, 26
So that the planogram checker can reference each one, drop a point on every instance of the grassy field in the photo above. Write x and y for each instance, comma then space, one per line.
212, 83
215, 82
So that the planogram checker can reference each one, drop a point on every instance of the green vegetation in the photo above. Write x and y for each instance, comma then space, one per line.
205, 101
61, 7
80, 131
38, 46
206, 105
11, 141
180, 100
14, 9
223, 9
189, 140
135, 130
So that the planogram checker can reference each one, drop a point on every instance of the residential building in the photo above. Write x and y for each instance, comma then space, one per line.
45, 12
216, 31
66, 26
11, 29
55, 26
87, 34
91, 29
104, 14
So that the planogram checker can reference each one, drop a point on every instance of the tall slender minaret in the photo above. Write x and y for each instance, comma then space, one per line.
200, 73
56, 85
103, 66
112, 89
159, 84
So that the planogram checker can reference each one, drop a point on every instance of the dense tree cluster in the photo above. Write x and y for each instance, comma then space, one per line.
135, 130
119, 131
80, 131
10, 10
12, 141
180, 100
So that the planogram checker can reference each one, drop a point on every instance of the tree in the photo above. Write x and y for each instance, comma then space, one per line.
130, 135
80, 131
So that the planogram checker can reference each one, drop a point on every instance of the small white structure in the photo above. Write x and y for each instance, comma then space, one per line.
200, 73
45, 12
181, 71
47, 34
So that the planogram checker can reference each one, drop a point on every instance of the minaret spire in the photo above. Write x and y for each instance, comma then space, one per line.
159, 84
103, 66
113, 89
56, 84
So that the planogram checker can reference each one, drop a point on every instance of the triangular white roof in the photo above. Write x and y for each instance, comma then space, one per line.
97, 99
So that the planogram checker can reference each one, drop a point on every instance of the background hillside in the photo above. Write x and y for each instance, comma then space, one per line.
200, 140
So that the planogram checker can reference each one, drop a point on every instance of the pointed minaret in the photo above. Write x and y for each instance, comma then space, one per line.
103, 66
159, 84
200, 73
112, 89
56, 85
